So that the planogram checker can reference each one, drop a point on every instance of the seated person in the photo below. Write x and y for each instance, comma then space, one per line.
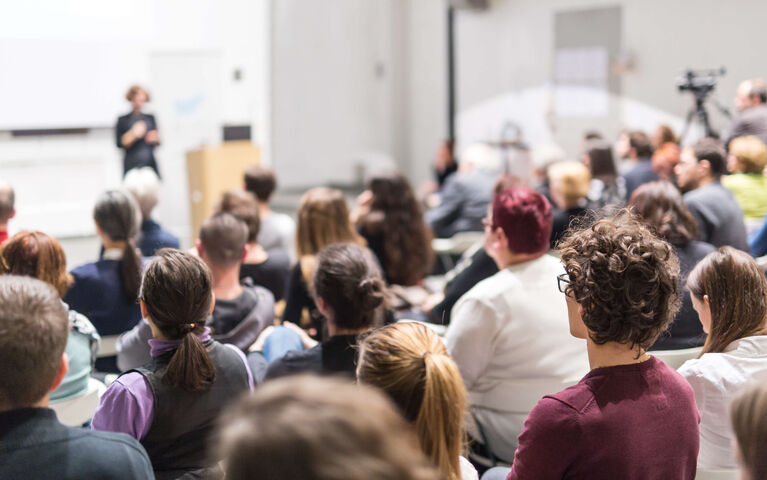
746, 162
513, 325
342, 431
636, 148
278, 231
106, 291
605, 187
268, 269
728, 291
241, 311
409, 362
33, 444
660, 206
37, 255
171, 403
466, 194
569, 183
144, 184
349, 292
7, 210
632, 416
748, 413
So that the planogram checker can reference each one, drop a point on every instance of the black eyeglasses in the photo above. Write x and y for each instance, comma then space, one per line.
563, 281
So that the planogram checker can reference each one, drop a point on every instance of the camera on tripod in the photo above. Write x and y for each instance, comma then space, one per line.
699, 82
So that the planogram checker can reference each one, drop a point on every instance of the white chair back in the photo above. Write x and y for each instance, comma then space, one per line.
76, 411
108, 346
675, 358
717, 474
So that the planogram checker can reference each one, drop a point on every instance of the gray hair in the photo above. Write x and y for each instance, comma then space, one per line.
144, 184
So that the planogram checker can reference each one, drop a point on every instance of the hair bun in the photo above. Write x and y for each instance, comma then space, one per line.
371, 291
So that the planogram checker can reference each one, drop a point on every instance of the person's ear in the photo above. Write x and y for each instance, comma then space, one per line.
322, 306
502, 241
144, 311
200, 249
705, 165
212, 302
61, 372
706, 301
245, 251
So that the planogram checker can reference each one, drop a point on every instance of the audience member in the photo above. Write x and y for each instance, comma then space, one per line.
268, 269
323, 219
542, 156
409, 362
636, 149
33, 444
390, 219
106, 291
445, 163
348, 291
746, 162
144, 184
606, 187
664, 160
512, 325
748, 415
37, 255
750, 100
7, 208
241, 310
631, 416
310, 428
171, 403
570, 182
663, 134
465, 196
717, 213
277, 231
729, 292
660, 206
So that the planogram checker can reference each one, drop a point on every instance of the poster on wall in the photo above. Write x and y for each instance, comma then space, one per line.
580, 82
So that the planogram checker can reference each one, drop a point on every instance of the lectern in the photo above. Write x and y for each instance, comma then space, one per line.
212, 171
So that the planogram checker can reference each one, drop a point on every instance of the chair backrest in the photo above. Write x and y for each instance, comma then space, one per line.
675, 358
108, 346
77, 411
717, 474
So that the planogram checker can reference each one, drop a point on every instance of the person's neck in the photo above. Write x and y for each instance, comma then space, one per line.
226, 282
256, 254
334, 330
113, 244
42, 403
507, 259
707, 180
611, 354
263, 210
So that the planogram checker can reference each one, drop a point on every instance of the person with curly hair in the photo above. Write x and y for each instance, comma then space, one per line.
631, 416
389, 217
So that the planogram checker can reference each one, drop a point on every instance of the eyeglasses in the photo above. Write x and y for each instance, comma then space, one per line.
563, 281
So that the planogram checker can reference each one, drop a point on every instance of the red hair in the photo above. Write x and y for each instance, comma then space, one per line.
525, 217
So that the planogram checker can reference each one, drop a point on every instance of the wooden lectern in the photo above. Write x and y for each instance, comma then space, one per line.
212, 171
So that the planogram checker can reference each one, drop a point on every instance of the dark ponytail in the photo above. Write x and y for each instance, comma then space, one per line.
117, 215
349, 281
177, 291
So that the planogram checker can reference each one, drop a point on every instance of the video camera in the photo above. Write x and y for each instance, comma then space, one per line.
699, 82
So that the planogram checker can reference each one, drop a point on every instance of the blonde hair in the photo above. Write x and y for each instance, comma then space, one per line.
748, 414
750, 152
572, 178
410, 363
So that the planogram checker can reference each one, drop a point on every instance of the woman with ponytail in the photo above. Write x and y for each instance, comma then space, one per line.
409, 362
350, 294
171, 404
106, 291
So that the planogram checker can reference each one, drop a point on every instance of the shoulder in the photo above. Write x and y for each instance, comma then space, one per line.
114, 455
296, 361
88, 270
81, 324
278, 259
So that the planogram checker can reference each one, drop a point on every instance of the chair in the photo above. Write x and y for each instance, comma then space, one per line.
447, 248
108, 346
717, 474
76, 412
675, 358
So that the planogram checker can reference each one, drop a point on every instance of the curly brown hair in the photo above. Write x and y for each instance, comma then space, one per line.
624, 277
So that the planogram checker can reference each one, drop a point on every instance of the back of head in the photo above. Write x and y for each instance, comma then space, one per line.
569, 179
243, 206
711, 150
117, 215
590, 135
601, 161
7, 201
342, 431
640, 142
323, 219
748, 414
144, 184
483, 158
177, 291
661, 207
525, 217
37, 255
348, 280
757, 89
625, 279
223, 238
737, 294
261, 182
545, 154
410, 363
34, 328
750, 152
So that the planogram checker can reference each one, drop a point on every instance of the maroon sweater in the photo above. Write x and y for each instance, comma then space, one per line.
629, 421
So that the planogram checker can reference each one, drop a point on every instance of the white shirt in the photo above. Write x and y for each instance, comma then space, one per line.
509, 328
468, 472
716, 379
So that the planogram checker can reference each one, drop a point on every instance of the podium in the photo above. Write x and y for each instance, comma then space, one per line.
213, 170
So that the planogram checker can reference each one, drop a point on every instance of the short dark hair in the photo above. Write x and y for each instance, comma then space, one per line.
640, 142
601, 161
242, 205
342, 430
261, 182
624, 277
34, 328
525, 217
223, 237
661, 207
711, 150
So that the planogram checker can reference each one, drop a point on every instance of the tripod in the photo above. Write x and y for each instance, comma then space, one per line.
699, 111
